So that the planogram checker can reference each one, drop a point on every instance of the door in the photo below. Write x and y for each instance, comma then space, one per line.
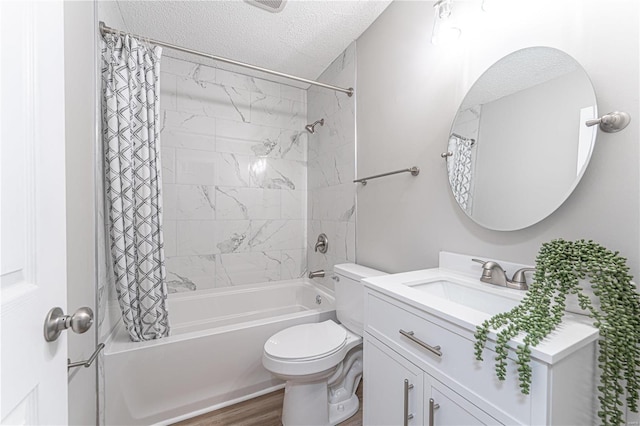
444, 407
33, 383
392, 387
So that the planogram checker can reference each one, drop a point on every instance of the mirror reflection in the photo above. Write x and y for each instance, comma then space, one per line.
519, 144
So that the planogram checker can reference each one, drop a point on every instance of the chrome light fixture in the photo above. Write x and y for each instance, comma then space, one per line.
443, 30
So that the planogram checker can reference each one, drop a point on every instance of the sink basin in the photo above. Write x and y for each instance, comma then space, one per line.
483, 299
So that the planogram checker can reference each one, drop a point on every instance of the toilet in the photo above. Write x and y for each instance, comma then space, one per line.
322, 362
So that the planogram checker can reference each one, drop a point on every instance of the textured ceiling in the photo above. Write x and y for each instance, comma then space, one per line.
518, 71
302, 39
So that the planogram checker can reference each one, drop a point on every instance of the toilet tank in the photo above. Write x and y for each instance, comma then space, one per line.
349, 293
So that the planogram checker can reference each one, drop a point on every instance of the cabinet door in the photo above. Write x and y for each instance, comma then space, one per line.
393, 387
444, 407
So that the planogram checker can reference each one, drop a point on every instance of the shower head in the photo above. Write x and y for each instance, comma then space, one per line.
311, 128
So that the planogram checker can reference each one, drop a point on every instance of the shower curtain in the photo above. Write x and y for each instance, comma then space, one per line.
460, 171
130, 110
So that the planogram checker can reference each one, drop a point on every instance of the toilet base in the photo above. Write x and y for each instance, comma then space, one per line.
305, 404
324, 399
320, 391
343, 410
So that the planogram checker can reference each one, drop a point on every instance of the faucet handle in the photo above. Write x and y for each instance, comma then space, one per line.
520, 278
488, 265
488, 276
487, 272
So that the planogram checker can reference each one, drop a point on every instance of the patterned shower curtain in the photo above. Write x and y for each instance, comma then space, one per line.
460, 170
130, 110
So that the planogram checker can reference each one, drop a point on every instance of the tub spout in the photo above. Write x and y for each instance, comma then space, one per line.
316, 274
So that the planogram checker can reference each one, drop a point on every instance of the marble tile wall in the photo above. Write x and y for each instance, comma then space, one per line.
331, 167
234, 156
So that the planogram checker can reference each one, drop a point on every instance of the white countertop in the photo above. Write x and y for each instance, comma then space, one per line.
573, 333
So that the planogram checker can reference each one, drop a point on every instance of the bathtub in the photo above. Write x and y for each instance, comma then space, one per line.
213, 357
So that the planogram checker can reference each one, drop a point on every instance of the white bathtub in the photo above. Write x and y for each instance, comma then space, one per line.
213, 357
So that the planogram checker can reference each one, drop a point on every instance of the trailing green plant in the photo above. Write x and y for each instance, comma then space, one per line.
560, 265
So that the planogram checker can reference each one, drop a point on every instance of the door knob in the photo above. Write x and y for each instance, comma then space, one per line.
56, 321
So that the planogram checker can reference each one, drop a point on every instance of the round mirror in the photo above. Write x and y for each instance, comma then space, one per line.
519, 144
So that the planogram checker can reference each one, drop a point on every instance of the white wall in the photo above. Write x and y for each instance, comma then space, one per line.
409, 91
109, 13
80, 128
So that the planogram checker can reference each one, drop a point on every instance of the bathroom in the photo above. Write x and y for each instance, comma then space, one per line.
247, 190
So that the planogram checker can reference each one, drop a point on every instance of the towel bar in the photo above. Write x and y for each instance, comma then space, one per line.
413, 170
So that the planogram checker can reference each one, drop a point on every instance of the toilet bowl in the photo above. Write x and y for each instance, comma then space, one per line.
322, 362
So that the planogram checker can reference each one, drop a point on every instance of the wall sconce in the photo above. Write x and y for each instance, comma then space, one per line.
443, 30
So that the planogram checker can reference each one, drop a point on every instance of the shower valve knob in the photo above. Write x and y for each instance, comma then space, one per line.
56, 322
322, 245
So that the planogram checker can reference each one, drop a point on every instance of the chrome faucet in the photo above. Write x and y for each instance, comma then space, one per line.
492, 273
316, 274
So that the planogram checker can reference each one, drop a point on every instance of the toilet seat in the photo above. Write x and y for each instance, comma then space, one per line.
306, 342
284, 355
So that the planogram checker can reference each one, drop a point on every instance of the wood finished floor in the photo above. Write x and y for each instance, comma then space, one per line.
264, 410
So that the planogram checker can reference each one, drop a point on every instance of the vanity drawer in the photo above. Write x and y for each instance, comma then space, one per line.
446, 355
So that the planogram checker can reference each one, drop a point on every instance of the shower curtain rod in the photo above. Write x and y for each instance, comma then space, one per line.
107, 30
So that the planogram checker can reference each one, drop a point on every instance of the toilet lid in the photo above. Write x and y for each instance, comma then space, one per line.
306, 341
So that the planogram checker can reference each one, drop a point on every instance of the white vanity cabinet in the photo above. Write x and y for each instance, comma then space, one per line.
400, 393
447, 386
443, 406
393, 388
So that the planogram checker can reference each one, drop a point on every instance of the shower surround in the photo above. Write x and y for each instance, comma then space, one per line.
241, 203
331, 167
234, 157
